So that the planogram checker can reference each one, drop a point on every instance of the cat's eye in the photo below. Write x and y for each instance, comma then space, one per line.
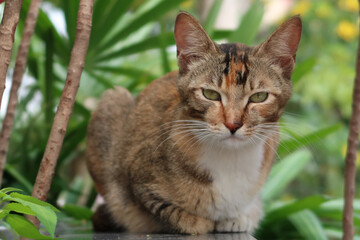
211, 94
258, 97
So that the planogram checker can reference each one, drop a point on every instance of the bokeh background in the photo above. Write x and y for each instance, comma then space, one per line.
132, 44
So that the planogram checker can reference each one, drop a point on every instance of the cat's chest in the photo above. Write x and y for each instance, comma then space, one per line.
235, 175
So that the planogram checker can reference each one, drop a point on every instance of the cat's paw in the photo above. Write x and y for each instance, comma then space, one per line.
196, 225
241, 224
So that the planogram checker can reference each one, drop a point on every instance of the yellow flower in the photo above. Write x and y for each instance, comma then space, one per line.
350, 5
302, 7
347, 30
187, 4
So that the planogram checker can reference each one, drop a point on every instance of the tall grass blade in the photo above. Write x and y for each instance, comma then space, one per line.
308, 225
249, 25
284, 172
212, 16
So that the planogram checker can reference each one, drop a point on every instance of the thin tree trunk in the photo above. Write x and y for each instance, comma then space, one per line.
58, 130
350, 169
7, 31
19, 70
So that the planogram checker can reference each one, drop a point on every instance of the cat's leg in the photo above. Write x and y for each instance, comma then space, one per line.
247, 222
103, 222
174, 218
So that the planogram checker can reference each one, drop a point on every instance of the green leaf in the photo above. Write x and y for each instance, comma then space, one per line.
336, 215
77, 212
24, 227
143, 45
337, 234
301, 69
148, 12
338, 204
70, 8
287, 209
221, 34
212, 16
48, 94
4, 213
43, 211
19, 177
289, 145
73, 138
284, 172
19, 208
31, 199
134, 73
308, 225
10, 189
164, 55
249, 25
105, 16
333, 209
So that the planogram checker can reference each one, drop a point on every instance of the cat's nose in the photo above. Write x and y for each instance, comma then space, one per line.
233, 127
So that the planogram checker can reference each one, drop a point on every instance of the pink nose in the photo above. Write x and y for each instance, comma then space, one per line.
233, 127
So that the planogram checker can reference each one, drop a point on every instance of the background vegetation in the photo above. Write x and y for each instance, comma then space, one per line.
132, 44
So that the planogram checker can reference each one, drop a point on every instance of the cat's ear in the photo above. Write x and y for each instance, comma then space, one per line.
192, 42
282, 45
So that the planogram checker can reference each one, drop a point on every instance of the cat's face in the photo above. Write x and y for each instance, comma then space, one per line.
233, 92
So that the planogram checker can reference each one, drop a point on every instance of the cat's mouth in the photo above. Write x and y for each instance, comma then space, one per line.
235, 138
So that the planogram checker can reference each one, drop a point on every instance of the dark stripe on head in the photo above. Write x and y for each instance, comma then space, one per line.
241, 76
220, 81
236, 62
230, 50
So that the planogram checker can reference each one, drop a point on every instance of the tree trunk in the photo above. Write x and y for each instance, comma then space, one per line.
19, 70
7, 31
58, 130
350, 169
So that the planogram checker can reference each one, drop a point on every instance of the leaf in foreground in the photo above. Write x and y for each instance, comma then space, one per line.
24, 227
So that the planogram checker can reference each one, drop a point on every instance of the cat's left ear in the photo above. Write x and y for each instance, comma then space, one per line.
282, 45
192, 41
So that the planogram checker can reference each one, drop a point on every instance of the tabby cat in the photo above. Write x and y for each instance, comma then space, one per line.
191, 153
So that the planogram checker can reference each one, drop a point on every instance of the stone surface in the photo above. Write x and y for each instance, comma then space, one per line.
124, 236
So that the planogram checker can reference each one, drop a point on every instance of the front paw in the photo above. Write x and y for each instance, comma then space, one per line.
241, 224
196, 225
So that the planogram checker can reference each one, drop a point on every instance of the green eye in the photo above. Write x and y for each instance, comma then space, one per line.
258, 97
211, 94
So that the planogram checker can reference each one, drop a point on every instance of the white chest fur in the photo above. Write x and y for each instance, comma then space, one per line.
234, 174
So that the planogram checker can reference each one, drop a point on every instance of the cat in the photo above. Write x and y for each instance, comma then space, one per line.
191, 153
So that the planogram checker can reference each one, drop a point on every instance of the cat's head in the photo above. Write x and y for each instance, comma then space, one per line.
234, 91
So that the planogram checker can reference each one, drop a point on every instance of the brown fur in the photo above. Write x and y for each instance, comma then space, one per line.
148, 164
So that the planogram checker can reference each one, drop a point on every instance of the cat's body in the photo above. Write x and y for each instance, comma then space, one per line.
178, 159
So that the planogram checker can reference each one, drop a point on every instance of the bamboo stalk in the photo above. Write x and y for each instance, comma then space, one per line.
7, 31
19, 70
58, 130
350, 169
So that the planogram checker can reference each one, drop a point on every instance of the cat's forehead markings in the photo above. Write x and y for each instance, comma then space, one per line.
236, 64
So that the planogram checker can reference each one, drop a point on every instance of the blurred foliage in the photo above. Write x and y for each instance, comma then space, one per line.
132, 44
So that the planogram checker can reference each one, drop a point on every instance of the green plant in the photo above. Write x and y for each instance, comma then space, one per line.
16, 204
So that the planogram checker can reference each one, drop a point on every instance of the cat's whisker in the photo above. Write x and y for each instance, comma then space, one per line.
282, 145
259, 137
297, 141
174, 127
194, 132
175, 134
195, 136
201, 139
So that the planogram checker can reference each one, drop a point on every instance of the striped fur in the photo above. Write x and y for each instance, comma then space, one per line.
174, 161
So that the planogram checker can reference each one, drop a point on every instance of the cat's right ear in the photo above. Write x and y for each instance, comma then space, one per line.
192, 42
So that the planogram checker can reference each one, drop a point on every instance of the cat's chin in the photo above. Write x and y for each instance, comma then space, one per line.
235, 141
